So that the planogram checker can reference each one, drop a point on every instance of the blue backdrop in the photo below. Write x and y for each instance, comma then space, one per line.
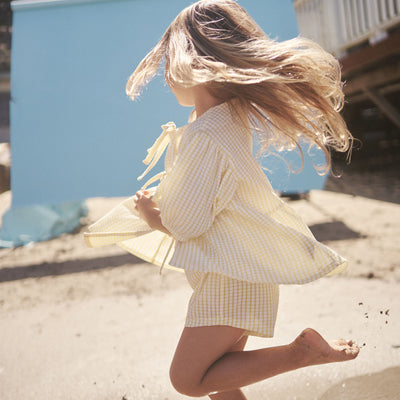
74, 132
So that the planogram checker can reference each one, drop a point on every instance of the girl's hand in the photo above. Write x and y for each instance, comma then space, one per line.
144, 203
148, 210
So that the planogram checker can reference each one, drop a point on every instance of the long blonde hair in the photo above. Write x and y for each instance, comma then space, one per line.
288, 90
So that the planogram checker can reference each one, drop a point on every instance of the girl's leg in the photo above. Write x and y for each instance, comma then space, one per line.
236, 394
203, 364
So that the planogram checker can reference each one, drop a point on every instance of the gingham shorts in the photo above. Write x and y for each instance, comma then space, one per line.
220, 300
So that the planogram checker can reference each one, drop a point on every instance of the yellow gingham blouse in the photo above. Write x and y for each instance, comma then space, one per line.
221, 210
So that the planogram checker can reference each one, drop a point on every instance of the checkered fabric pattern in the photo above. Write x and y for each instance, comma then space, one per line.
221, 210
232, 235
221, 300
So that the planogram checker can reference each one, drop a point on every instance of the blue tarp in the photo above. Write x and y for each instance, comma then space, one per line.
23, 225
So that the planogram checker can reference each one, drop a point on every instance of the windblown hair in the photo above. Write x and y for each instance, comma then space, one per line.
286, 91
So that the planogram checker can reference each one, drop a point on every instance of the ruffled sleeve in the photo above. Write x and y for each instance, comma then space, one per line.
199, 185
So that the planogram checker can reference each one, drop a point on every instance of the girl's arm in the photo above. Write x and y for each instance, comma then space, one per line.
149, 211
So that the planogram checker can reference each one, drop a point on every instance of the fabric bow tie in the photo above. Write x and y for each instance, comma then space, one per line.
155, 152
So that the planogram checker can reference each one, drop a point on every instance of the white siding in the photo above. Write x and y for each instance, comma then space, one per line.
338, 25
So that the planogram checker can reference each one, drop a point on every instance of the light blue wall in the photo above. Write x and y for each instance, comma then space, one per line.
74, 132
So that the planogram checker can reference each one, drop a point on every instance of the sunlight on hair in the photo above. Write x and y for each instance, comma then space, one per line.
285, 91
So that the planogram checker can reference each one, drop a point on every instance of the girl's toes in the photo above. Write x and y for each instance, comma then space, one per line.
352, 351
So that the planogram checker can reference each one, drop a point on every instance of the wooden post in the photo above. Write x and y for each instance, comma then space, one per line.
383, 105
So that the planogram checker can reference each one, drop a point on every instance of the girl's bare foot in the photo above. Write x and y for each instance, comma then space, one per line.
311, 349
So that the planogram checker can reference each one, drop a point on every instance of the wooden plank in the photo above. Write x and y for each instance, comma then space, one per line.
362, 96
384, 75
384, 105
370, 55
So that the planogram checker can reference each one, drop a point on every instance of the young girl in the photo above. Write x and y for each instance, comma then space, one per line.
234, 238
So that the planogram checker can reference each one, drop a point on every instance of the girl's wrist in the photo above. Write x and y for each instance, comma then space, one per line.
153, 219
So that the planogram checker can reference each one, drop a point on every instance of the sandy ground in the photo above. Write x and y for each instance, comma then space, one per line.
79, 323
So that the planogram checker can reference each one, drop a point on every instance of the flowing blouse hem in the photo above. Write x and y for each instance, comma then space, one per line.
161, 259
151, 260
332, 269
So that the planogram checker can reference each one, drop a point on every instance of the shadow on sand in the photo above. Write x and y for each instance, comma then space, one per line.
383, 385
335, 230
66, 267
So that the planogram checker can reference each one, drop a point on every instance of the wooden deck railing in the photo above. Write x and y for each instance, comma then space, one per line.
339, 25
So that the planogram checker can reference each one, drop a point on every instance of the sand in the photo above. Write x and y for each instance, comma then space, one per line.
79, 323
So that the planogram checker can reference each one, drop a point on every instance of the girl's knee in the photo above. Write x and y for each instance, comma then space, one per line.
184, 383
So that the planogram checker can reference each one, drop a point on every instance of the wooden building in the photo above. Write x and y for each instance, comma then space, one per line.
365, 36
